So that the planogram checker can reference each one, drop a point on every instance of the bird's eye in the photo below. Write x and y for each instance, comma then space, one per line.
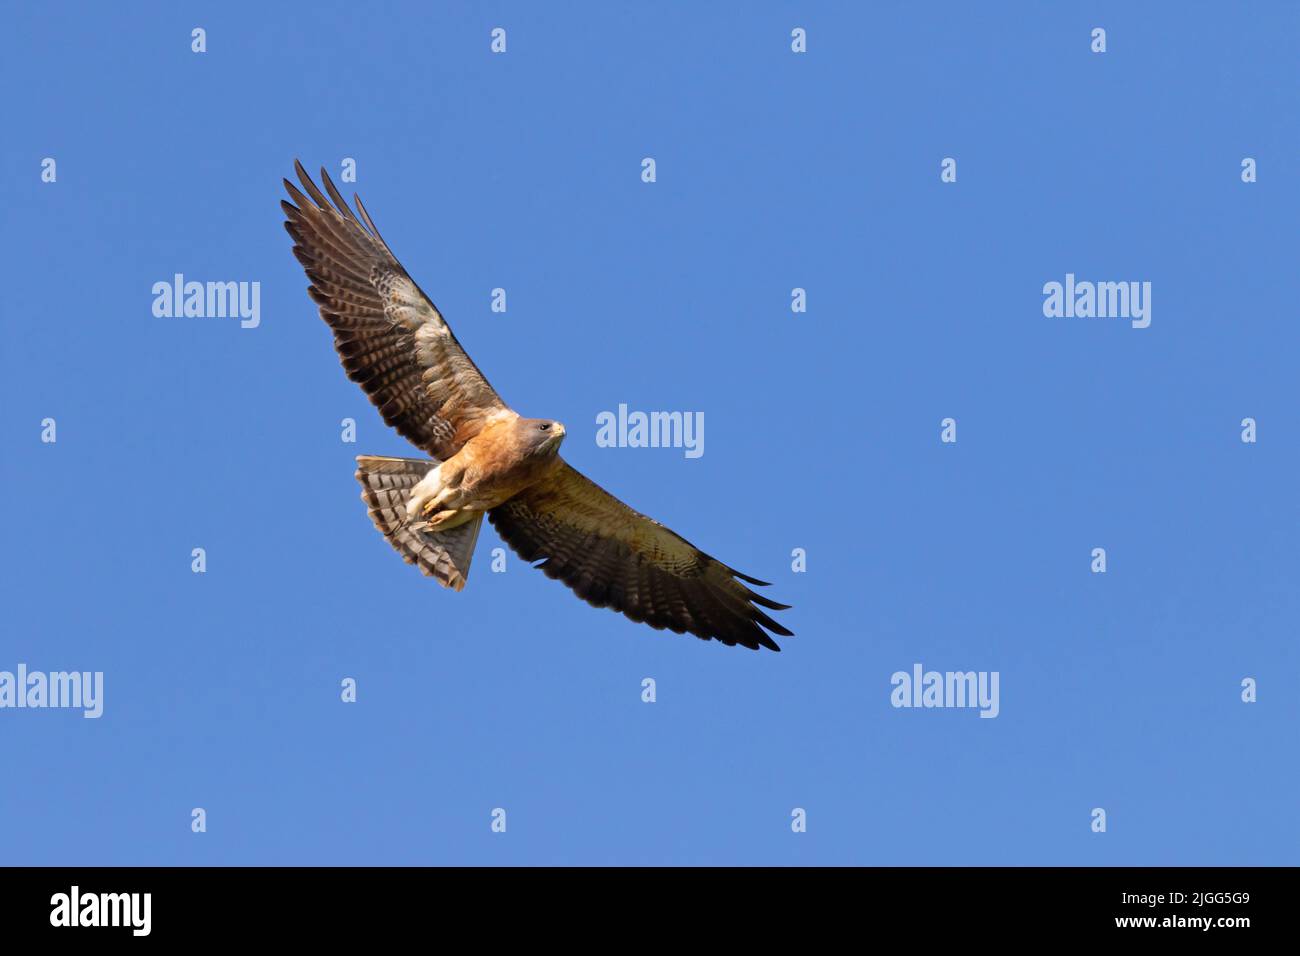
545, 426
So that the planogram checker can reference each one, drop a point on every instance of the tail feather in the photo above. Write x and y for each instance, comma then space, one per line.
386, 485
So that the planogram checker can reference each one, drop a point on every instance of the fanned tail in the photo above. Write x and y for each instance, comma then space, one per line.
386, 485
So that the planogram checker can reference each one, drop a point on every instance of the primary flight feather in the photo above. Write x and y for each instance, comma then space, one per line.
487, 459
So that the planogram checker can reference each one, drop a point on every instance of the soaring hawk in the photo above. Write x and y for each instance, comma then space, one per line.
486, 459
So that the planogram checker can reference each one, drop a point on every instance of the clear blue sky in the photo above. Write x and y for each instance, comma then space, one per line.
775, 170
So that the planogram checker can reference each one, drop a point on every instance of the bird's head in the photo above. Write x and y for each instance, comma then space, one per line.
539, 436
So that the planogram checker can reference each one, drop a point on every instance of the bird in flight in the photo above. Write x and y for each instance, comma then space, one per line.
486, 459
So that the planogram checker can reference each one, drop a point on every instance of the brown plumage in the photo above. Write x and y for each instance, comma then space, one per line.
487, 459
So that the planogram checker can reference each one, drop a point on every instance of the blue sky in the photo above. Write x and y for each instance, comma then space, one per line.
775, 170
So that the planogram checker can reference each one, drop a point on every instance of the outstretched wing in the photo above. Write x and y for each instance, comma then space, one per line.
391, 338
612, 556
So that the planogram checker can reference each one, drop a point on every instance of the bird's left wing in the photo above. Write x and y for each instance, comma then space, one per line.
612, 556
393, 341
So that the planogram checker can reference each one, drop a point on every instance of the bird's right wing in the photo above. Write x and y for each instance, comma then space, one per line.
612, 556
391, 338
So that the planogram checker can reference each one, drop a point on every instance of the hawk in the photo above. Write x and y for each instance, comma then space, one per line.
487, 460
